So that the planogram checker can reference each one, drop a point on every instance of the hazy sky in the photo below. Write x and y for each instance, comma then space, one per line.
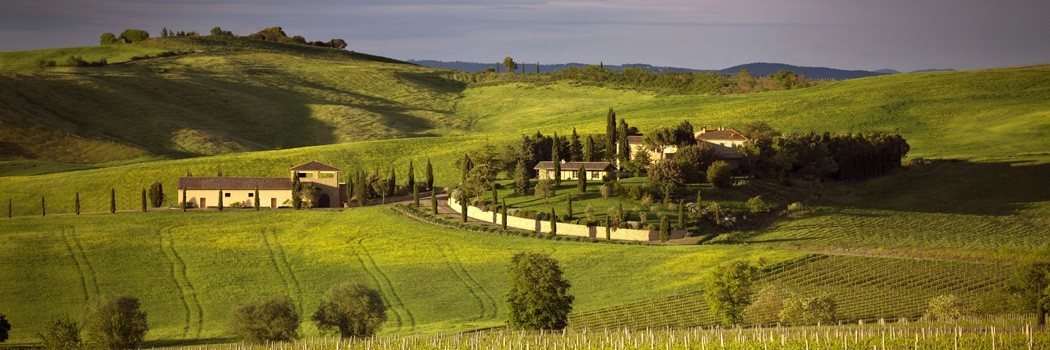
706, 34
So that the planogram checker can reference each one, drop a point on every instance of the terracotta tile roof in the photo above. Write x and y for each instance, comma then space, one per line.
720, 135
235, 183
728, 153
572, 166
635, 139
314, 166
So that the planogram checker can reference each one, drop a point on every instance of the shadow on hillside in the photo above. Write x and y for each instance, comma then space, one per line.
955, 187
161, 343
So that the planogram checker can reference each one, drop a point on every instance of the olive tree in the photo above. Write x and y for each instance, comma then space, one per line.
352, 310
115, 322
807, 310
271, 319
538, 297
61, 334
730, 291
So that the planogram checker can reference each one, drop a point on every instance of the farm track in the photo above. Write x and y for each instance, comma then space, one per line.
182, 281
375, 280
175, 280
390, 286
472, 286
277, 257
76, 264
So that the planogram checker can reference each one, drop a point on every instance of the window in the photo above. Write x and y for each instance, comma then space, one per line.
326, 175
303, 175
227, 194
250, 195
595, 175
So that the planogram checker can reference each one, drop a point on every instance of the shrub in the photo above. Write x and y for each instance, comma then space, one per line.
944, 308
271, 319
538, 297
61, 334
720, 175
799, 310
666, 173
107, 39
156, 195
757, 205
352, 309
606, 190
115, 322
795, 207
134, 35
766, 306
634, 192
5, 327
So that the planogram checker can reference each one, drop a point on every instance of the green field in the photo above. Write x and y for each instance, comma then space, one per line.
190, 268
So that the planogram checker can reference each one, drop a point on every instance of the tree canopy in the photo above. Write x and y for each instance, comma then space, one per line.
538, 297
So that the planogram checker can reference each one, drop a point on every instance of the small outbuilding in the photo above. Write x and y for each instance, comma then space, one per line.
594, 171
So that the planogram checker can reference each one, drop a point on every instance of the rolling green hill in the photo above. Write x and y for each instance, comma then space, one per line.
189, 269
216, 96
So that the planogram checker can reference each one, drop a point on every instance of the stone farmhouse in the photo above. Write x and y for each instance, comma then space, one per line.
727, 144
570, 170
203, 192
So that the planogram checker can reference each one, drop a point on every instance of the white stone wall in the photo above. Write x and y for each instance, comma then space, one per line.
211, 197
565, 229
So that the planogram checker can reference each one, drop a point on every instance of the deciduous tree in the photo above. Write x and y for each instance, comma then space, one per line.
115, 322
538, 296
60, 334
271, 319
352, 310
730, 291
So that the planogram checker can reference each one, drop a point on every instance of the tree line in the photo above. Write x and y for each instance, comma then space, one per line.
277, 34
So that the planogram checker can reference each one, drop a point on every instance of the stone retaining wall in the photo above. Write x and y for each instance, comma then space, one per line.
566, 229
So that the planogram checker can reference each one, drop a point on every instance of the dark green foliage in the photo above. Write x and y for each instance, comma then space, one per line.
434, 201
256, 196
43, 207
349, 189
164, 32
115, 322
623, 149
352, 310
297, 192
430, 176
77, 61
666, 173
575, 147
184, 204
521, 179
272, 34
611, 136
107, 39
361, 192
145, 205
10, 207
59, 334
608, 228
156, 195
510, 64
694, 161
391, 184
337, 43
495, 195
463, 207
466, 165
569, 204
112, 200
1031, 284
800, 310
581, 179
134, 35
411, 176
382, 187
272, 319
720, 175
76, 203
415, 195
538, 297
504, 216
665, 231
681, 214
5, 328
554, 222
217, 31
220, 200
730, 291
588, 150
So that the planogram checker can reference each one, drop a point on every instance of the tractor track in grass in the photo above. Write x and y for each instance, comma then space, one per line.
76, 264
282, 260
279, 259
175, 280
390, 286
180, 277
452, 260
375, 280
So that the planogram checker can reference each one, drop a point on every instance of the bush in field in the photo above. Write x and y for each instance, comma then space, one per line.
271, 319
115, 322
538, 297
134, 35
156, 195
757, 205
730, 291
719, 174
352, 310
766, 306
5, 327
802, 310
545, 189
107, 39
61, 334
944, 308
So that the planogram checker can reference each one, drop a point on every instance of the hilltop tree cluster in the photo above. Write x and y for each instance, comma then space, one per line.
277, 34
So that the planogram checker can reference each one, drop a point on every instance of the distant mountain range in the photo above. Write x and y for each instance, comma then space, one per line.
759, 68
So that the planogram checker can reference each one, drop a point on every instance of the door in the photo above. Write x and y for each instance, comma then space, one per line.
323, 202
273, 203
202, 206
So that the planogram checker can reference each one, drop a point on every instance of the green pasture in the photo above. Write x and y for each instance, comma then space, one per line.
189, 269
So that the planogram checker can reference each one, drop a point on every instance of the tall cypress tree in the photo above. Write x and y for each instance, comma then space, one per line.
220, 200
184, 204
430, 176
412, 176
43, 208
664, 230
495, 195
521, 179
556, 158
392, 184
681, 213
463, 206
588, 149
349, 188
466, 167
297, 191
257, 198
570, 206
504, 207
9, 207
581, 179
112, 201
610, 136
608, 228
415, 195
144, 205
554, 222
623, 152
575, 147
76, 204
434, 201
361, 192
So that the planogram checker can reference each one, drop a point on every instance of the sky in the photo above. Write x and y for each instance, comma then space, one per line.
703, 34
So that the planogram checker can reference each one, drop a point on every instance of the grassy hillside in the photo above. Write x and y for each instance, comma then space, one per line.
218, 96
189, 269
983, 113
